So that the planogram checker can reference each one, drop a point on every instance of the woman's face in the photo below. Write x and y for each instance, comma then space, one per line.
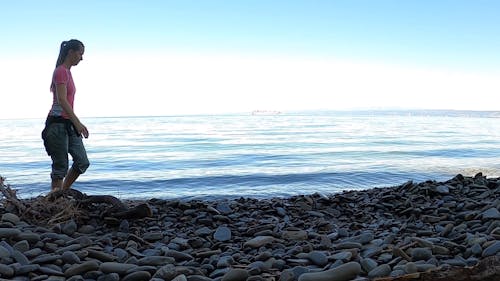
76, 56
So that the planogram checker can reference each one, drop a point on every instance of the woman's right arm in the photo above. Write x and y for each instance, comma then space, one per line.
61, 92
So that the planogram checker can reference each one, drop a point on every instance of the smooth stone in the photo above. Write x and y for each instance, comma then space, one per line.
33, 253
20, 257
69, 228
70, 257
24, 269
198, 278
425, 267
10, 217
222, 234
4, 253
22, 246
421, 254
491, 250
86, 229
9, 232
363, 238
109, 277
6, 271
318, 258
380, 271
204, 231
46, 258
225, 261
224, 208
78, 269
440, 250
441, 189
455, 262
258, 241
368, 264
120, 268
29, 236
104, 257
491, 213
137, 276
348, 245
342, 256
295, 235
476, 249
236, 274
410, 267
166, 272
155, 260
51, 271
178, 256
152, 236
343, 272
121, 254
181, 277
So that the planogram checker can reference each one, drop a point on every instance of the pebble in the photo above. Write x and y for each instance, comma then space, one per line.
343, 272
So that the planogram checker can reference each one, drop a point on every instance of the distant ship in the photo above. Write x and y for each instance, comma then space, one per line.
266, 112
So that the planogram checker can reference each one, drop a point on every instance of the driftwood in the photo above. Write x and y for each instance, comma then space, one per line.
62, 205
487, 269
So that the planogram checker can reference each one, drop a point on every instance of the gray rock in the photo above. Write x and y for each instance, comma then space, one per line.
380, 271
418, 254
222, 234
137, 276
491, 213
343, 272
69, 228
492, 249
120, 268
152, 236
9, 232
259, 241
22, 246
318, 258
70, 257
12, 218
155, 260
6, 271
236, 274
78, 269
368, 264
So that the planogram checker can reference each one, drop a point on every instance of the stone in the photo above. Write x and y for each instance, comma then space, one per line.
491, 213
380, 271
492, 249
259, 241
343, 272
236, 274
418, 254
222, 234
78, 269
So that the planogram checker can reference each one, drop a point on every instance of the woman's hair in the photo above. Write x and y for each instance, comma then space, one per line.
72, 44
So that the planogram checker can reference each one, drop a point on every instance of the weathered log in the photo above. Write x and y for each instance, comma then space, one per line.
117, 210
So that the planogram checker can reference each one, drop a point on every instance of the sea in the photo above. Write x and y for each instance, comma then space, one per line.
260, 154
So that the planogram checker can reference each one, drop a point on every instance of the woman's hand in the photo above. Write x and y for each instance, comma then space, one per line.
82, 130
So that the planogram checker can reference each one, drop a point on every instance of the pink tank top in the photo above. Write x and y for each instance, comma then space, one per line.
62, 75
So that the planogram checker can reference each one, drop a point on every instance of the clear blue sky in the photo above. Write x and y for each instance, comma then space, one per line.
434, 39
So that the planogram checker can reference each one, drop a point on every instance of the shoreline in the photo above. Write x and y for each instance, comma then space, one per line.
360, 235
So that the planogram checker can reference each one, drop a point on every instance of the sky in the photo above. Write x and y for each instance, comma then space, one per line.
166, 57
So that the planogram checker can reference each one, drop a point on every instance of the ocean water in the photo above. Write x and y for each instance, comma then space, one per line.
261, 155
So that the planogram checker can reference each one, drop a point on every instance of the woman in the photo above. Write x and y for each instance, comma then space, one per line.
63, 130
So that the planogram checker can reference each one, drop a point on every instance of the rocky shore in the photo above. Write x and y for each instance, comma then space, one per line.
395, 232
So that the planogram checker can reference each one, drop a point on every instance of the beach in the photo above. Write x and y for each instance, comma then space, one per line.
403, 231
